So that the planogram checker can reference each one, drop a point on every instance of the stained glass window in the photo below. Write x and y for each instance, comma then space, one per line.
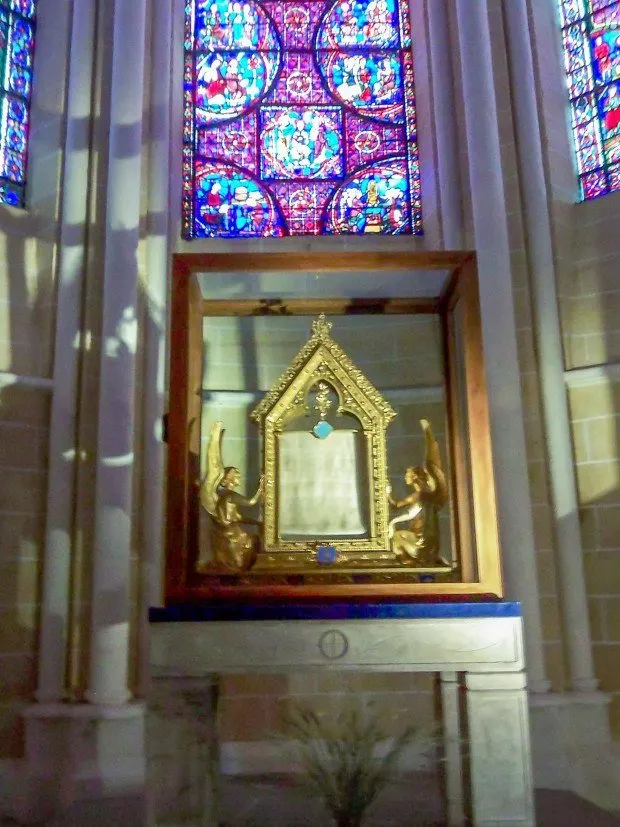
16, 47
591, 38
299, 119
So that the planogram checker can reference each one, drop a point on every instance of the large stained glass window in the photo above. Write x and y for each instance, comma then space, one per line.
299, 119
16, 47
591, 37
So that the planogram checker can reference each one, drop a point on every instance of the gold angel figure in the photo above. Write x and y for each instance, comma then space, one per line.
232, 546
419, 543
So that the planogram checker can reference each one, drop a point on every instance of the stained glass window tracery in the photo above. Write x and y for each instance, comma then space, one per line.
16, 50
299, 119
591, 41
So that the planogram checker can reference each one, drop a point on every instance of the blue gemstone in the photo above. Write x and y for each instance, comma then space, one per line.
322, 430
427, 578
326, 555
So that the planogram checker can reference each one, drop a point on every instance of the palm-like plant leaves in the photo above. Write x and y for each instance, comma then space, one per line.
341, 760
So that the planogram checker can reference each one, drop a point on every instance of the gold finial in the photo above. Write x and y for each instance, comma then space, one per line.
321, 327
322, 401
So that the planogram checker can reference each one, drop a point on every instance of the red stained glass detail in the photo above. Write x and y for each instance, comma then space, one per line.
591, 38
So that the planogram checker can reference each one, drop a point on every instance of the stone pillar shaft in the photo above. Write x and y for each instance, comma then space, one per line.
499, 750
116, 416
157, 287
556, 417
448, 173
498, 320
68, 341
452, 738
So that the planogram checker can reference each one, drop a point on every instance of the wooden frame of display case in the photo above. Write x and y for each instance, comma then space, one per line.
475, 531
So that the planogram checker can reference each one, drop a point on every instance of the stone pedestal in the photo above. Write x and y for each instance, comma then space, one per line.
84, 765
572, 748
499, 749
452, 742
192, 645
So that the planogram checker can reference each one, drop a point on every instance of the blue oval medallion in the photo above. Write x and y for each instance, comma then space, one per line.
322, 429
325, 555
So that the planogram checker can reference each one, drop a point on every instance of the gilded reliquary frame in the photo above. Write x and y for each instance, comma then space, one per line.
322, 363
288, 568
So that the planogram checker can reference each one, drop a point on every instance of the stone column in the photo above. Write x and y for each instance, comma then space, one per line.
97, 768
499, 750
538, 233
157, 287
116, 415
448, 173
492, 246
452, 739
67, 347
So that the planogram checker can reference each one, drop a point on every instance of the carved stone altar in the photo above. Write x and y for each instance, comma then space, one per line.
476, 648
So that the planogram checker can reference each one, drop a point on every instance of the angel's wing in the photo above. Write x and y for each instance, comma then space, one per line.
214, 468
433, 466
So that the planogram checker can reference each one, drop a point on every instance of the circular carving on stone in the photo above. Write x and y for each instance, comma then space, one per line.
333, 644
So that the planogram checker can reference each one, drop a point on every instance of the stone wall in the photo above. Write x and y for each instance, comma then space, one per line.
28, 250
587, 262
595, 407
24, 414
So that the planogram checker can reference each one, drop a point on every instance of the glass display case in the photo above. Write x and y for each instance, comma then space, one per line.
328, 431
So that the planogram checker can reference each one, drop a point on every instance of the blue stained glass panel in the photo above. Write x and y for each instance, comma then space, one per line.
16, 52
301, 143
23, 7
591, 39
572, 10
9, 195
22, 38
372, 201
368, 82
233, 204
373, 24
614, 177
299, 118
229, 83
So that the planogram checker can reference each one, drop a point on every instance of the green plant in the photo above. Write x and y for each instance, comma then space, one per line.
348, 758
